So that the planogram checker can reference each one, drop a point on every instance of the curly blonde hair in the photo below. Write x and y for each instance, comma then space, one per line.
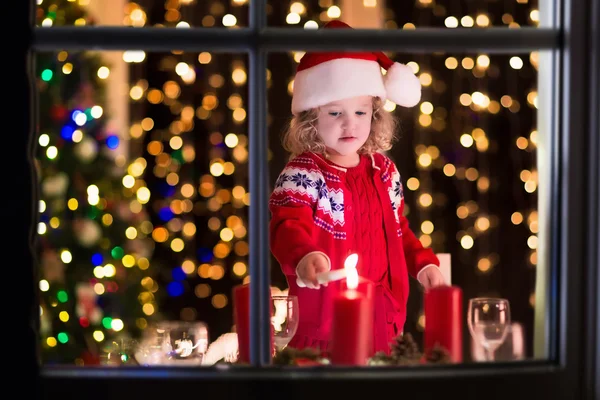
302, 136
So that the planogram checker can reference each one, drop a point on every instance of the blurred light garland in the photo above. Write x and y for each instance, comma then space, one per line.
184, 197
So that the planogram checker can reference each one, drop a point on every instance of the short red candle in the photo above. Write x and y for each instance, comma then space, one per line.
352, 328
444, 321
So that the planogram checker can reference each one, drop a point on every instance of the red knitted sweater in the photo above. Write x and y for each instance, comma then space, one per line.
317, 206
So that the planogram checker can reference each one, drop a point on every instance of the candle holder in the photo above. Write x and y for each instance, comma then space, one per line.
174, 343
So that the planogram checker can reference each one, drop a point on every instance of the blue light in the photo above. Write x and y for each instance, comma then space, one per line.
165, 214
205, 255
175, 289
97, 259
178, 274
67, 132
75, 114
112, 142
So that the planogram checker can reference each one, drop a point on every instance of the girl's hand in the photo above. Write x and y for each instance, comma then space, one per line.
431, 277
309, 267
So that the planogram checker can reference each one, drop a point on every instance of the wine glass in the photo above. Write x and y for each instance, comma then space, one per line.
488, 320
512, 349
284, 319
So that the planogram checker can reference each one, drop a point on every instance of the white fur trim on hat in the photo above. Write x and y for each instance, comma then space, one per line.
402, 86
335, 80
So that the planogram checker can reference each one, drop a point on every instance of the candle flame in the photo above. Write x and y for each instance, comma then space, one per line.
351, 272
351, 261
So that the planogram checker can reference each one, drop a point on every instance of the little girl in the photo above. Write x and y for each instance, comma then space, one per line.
339, 195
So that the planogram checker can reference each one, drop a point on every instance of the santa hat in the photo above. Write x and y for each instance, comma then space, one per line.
329, 76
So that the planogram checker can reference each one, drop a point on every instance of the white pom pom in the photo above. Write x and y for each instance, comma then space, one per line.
402, 86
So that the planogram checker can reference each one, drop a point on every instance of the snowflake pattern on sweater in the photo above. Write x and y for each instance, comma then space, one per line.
296, 184
302, 181
396, 193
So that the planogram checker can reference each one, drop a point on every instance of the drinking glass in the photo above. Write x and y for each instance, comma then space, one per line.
488, 320
284, 319
512, 349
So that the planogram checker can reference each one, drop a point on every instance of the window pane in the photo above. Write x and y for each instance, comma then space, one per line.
143, 13
381, 14
468, 162
142, 160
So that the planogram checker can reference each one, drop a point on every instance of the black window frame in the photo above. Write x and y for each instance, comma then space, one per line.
572, 370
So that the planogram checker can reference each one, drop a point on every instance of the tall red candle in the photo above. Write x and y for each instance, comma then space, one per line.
241, 319
444, 320
352, 324
367, 288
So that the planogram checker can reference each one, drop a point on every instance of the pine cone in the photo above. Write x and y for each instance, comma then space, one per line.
381, 358
438, 355
290, 355
283, 357
405, 349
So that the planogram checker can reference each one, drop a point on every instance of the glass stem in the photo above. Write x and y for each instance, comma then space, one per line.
489, 355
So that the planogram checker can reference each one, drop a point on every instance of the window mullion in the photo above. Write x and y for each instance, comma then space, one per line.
260, 286
423, 40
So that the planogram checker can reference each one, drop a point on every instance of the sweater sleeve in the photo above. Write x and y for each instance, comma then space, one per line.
292, 205
417, 257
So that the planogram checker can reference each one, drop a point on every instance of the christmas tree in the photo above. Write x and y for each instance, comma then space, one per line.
96, 279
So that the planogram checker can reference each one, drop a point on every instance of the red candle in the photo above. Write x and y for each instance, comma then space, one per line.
367, 288
444, 321
352, 324
241, 319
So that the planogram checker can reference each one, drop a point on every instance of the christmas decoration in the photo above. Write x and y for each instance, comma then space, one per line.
224, 348
405, 351
300, 357
96, 284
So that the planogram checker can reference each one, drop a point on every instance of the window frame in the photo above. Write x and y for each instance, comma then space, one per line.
574, 356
